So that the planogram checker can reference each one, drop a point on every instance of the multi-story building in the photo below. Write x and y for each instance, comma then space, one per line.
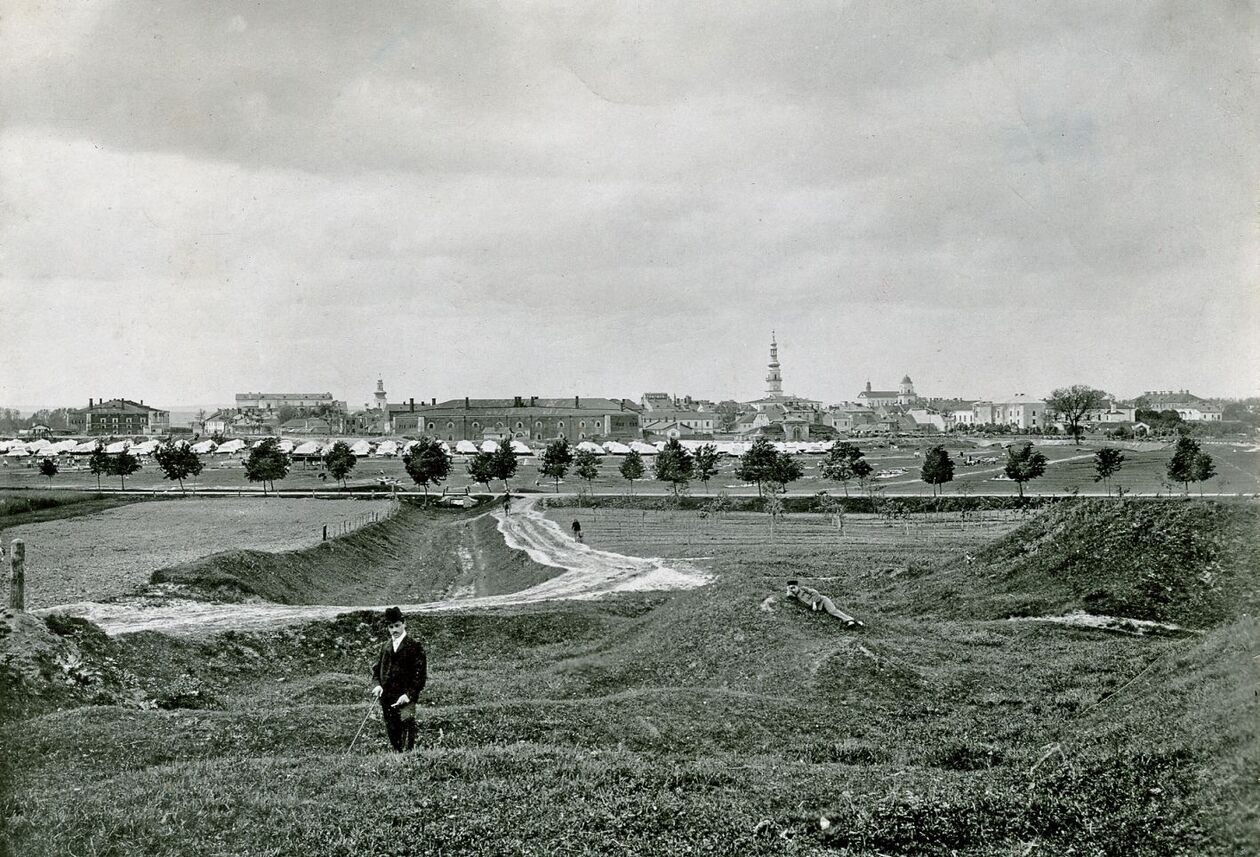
1019, 411
521, 418
663, 414
119, 417
275, 401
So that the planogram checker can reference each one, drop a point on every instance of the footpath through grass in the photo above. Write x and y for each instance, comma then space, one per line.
723, 720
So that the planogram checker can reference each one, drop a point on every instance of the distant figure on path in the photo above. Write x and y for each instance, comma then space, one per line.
577, 531
507, 504
817, 601
400, 671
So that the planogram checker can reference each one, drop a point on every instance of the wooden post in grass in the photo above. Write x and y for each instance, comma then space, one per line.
17, 575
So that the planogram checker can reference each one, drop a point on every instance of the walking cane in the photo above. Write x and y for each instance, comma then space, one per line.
366, 716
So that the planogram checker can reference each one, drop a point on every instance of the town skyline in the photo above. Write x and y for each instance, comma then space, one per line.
567, 200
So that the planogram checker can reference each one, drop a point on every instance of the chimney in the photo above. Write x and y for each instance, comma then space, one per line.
433, 401
516, 401
411, 404
91, 403
533, 401
465, 403
577, 403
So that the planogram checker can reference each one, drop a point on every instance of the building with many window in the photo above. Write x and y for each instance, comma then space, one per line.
247, 402
522, 418
119, 417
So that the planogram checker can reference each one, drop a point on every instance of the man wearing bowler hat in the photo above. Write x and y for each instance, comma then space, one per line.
400, 672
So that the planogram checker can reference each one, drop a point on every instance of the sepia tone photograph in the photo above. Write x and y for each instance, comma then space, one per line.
554, 428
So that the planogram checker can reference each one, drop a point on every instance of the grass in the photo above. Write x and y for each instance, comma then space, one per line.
32, 507
691, 722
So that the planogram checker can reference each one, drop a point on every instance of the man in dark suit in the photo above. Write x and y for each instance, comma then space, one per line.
400, 672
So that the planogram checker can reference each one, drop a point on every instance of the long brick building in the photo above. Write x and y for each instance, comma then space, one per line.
119, 417
522, 418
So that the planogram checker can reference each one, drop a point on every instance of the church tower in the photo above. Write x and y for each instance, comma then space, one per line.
774, 379
380, 395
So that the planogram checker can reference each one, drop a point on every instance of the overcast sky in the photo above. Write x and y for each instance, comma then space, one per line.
198, 199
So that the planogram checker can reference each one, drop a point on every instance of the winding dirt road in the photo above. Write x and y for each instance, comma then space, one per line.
588, 573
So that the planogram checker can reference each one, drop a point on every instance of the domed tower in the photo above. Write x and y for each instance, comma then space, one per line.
906, 391
774, 379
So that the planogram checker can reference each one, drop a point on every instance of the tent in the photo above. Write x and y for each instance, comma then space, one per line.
614, 448
519, 448
466, 447
588, 446
38, 445
49, 451
386, 448
489, 446
18, 451
85, 448
145, 448
204, 447
643, 448
361, 448
117, 447
230, 447
308, 448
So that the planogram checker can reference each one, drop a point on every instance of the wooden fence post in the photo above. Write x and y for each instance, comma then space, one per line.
17, 575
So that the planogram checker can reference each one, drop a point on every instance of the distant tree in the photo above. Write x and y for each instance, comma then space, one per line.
503, 463
267, 462
481, 468
774, 507
705, 464
339, 461
832, 508
728, 414
632, 468
48, 467
178, 461
123, 465
938, 468
556, 460
1023, 463
1071, 404
843, 463
785, 470
757, 464
427, 463
1181, 465
1204, 469
586, 466
1107, 463
98, 463
674, 465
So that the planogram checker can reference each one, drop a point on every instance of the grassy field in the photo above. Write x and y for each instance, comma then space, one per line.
722, 720
1071, 468
114, 550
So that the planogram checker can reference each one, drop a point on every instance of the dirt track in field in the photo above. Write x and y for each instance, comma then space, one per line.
585, 573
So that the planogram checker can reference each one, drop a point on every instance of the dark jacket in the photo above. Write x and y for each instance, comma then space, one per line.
403, 671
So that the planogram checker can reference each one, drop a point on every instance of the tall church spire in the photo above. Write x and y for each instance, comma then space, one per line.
774, 380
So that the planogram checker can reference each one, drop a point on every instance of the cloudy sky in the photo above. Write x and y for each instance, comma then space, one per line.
198, 199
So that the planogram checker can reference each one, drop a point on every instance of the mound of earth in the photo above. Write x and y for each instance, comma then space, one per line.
1189, 562
417, 555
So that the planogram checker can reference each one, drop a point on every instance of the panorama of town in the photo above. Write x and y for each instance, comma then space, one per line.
321, 440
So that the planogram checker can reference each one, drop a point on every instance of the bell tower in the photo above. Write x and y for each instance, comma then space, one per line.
774, 378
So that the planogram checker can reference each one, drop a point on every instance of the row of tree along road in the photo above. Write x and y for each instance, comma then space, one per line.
429, 465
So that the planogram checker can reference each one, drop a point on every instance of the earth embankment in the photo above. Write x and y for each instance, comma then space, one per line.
1185, 561
415, 556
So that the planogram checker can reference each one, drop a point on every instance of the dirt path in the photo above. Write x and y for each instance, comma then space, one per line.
587, 573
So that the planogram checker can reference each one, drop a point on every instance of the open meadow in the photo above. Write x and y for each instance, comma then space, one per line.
115, 551
1071, 469
965, 718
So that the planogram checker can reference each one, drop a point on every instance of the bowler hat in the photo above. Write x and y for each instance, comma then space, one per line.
392, 615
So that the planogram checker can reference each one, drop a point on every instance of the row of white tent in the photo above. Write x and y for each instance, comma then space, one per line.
383, 449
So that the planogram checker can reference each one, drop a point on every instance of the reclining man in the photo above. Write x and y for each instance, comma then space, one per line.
817, 601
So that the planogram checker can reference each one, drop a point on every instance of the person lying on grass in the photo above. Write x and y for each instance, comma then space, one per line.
817, 601
400, 672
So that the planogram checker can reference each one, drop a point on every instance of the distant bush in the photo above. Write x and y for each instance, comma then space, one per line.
33, 502
813, 503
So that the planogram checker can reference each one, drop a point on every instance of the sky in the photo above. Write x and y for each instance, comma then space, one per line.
199, 199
